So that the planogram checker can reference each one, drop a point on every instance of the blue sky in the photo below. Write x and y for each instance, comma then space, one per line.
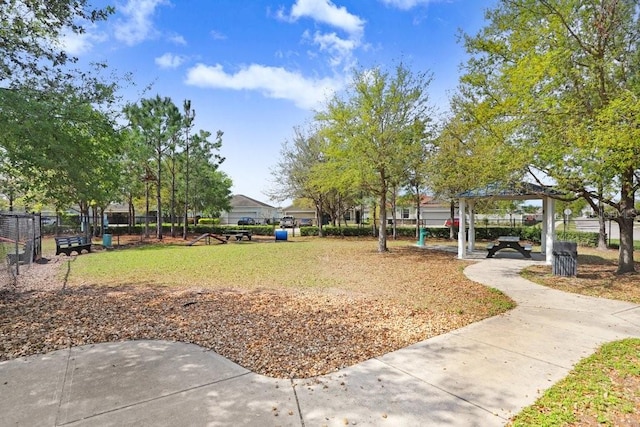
255, 69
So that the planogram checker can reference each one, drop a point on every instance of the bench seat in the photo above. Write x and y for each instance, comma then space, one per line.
68, 244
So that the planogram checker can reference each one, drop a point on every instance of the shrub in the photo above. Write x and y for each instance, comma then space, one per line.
208, 221
582, 238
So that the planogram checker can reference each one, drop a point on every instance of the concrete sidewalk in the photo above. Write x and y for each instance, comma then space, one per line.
479, 375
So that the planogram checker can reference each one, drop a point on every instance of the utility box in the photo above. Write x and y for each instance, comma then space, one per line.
423, 234
565, 259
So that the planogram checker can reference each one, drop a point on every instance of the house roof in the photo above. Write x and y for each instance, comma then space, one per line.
240, 200
426, 200
516, 191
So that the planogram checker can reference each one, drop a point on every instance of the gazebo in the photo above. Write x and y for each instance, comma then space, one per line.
520, 191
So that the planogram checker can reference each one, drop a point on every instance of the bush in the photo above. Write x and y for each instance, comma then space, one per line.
582, 238
208, 221
309, 231
259, 230
531, 233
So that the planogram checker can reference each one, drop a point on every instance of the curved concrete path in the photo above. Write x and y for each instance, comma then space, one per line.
479, 375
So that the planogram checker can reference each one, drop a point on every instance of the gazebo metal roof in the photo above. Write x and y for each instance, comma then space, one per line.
517, 191
503, 191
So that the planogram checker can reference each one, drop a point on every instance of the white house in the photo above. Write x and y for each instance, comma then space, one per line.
432, 213
243, 206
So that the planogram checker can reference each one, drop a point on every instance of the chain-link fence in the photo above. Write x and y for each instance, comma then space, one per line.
20, 245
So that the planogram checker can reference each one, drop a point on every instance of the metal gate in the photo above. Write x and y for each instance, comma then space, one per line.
20, 244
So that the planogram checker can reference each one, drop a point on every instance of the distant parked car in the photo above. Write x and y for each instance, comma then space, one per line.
48, 220
287, 222
305, 222
246, 220
456, 222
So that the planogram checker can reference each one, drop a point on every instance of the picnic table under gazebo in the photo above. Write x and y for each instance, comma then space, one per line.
519, 191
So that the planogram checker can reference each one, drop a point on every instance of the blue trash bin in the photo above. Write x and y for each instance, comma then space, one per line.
106, 240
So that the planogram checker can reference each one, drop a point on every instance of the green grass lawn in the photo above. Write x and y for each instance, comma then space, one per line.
603, 389
248, 265
421, 279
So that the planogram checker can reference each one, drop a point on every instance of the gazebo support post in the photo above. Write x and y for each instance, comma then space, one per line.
472, 228
548, 229
461, 229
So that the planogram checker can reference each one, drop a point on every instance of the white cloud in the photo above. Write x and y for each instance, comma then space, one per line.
137, 24
169, 60
272, 82
339, 48
178, 39
78, 44
326, 12
216, 35
406, 4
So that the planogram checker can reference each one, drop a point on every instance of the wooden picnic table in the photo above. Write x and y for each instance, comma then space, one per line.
508, 242
238, 234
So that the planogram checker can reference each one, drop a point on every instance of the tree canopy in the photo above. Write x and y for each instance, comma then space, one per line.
553, 87
367, 142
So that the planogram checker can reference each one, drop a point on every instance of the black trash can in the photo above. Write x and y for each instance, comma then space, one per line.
565, 259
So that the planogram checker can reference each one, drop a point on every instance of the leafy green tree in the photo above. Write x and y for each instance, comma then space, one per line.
39, 91
156, 121
300, 171
460, 158
370, 129
556, 84
210, 188
188, 116
31, 31
419, 155
61, 149
134, 158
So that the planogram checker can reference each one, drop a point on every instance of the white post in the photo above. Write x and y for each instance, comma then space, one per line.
461, 229
550, 230
543, 236
472, 228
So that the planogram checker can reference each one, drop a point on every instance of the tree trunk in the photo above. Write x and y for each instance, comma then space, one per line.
626, 263
394, 206
318, 203
94, 221
146, 215
173, 198
602, 234
417, 214
319, 219
185, 230
159, 197
627, 211
382, 234
132, 214
374, 226
103, 225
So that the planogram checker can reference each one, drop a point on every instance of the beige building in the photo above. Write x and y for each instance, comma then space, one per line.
243, 206
433, 213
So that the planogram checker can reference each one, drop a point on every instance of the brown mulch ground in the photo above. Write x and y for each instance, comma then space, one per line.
596, 277
276, 332
280, 334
